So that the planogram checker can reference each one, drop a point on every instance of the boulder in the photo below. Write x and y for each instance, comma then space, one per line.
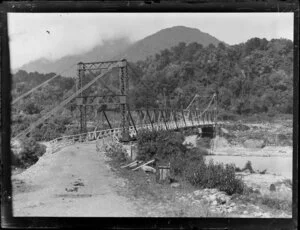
198, 192
224, 131
214, 203
16, 146
175, 185
212, 198
272, 188
251, 143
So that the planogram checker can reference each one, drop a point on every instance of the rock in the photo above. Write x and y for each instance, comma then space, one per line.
251, 143
198, 192
214, 203
223, 199
212, 198
284, 188
146, 168
272, 188
16, 146
246, 171
220, 142
223, 130
256, 191
175, 185
245, 212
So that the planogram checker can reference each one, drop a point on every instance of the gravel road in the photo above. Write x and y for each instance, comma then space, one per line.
75, 181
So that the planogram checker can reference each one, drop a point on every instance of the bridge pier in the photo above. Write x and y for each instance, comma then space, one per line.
208, 131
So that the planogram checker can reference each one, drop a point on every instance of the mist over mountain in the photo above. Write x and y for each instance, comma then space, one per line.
122, 48
165, 39
106, 51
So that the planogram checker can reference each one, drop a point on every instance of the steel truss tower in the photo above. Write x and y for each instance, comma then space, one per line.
119, 95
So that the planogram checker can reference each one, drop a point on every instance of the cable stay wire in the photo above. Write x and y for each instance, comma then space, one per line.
137, 76
41, 85
62, 104
209, 104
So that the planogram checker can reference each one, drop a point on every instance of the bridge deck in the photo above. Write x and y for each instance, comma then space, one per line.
115, 134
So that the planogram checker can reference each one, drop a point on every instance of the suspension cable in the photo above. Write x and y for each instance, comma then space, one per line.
62, 104
40, 85
208, 104
137, 76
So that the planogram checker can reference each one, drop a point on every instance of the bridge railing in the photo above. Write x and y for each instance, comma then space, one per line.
206, 118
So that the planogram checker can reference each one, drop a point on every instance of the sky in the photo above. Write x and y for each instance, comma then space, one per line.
54, 35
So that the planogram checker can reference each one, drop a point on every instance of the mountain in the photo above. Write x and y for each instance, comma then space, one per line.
165, 39
108, 50
121, 48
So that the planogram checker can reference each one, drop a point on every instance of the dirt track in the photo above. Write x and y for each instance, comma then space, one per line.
75, 181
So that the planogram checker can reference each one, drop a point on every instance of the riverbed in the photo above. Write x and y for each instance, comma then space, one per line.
275, 165
276, 160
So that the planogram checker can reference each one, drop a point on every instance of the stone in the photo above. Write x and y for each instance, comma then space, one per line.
212, 198
198, 192
214, 203
222, 200
247, 171
251, 143
245, 212
175, 185
272, 188
223, 130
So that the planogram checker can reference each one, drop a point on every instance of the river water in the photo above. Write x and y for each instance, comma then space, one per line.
274, 164
275, 159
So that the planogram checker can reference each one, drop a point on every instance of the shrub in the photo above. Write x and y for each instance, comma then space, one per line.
204, 142
276, 203
115, 151
159, 144
31, 152
227, 116
183, 164
217, 176
248, 166
187, 163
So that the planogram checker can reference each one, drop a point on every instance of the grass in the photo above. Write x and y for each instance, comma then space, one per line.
272, 201
158, 200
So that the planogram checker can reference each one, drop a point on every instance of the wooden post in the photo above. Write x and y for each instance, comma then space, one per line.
163, 174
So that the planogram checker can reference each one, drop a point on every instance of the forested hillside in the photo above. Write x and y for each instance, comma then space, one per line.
253, 77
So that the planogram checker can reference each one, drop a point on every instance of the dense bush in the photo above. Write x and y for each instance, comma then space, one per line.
227, 116
30, 153
115, 151
159, 144
213, 175
187, 163
250, 78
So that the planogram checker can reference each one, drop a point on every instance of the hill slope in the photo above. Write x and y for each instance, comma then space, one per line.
108, 50
165, 39
121, 48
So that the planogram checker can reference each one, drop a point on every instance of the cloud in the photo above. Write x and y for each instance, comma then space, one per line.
74, 33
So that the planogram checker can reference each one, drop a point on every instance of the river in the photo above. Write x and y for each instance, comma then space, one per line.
276, 165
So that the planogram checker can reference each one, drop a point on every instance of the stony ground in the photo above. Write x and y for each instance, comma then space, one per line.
79, 181
161, 200
75, 181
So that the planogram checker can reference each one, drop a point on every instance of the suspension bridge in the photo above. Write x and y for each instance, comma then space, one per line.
128, 122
